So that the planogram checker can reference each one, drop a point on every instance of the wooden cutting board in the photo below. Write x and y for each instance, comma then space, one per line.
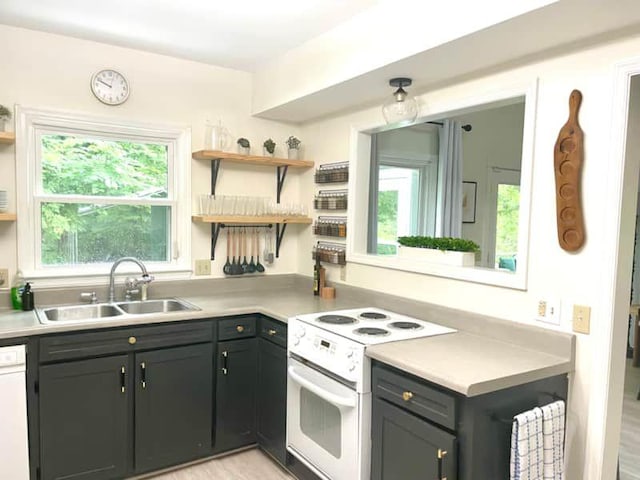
568, 159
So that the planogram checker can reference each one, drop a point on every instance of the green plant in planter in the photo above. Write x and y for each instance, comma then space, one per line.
5, 113
293, 143
243, 142
270, 146
441, 243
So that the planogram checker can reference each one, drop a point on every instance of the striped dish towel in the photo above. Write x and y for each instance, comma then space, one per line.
527, 446
553, 440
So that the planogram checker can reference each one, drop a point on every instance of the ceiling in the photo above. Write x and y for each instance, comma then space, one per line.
239, 34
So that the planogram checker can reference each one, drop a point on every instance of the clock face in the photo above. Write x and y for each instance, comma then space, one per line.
110, 87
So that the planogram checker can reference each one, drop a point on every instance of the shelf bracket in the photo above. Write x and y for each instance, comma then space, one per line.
215, 231
215, 168
280, 228
281, 174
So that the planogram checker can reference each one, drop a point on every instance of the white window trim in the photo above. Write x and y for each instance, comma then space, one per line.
31, 121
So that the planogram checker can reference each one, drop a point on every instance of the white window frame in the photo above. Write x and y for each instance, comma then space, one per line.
31, 124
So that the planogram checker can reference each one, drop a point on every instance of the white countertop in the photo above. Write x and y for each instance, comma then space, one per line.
464, 362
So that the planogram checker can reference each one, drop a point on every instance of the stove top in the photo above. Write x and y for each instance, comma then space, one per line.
368, 326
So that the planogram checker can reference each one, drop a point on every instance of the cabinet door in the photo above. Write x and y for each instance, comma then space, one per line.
406, 447
235, 394
173, 405
272, 399
84, 419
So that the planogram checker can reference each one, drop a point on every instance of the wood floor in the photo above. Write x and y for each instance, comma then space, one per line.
630, 436
248, 465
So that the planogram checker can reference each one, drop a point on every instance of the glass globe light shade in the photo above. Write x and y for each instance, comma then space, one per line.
401, 107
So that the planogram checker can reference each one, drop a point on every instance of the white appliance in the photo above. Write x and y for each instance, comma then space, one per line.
329, 385
14, 443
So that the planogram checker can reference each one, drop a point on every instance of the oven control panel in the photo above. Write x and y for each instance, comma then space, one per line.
338, 355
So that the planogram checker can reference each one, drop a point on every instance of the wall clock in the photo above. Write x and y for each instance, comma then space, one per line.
110, 87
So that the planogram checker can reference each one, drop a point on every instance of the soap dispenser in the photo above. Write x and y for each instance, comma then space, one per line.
27, 298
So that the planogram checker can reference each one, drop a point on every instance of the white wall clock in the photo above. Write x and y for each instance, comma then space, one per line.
110, 87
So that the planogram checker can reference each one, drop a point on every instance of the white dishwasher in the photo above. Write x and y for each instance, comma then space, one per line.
14, 443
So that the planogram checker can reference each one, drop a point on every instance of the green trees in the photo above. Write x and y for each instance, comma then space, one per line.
96, 204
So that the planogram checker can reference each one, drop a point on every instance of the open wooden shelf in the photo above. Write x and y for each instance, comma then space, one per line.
7, 138
8, 217
244, 219
251, 159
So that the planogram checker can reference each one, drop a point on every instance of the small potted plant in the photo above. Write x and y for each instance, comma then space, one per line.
269, 147
244, 146
293, 145
5, 114
443, 250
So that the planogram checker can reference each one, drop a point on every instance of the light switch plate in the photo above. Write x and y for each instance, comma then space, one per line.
581, 319
548, 311
203, 266
4, 277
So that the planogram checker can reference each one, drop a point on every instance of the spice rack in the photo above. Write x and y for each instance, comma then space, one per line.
282, 165
331, 227
333, 173
331, 200
330, 253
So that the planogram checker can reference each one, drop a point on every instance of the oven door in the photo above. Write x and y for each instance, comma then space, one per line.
323, 427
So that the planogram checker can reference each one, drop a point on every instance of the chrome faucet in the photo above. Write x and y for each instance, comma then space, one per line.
144, 280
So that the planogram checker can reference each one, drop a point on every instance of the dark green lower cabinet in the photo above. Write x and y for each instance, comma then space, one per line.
406, 447
235, 418
84, 419
272, 399
174, 393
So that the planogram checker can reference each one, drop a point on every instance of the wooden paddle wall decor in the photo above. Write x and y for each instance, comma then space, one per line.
568, 158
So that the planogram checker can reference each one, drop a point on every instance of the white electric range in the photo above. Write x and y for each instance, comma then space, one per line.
329, 385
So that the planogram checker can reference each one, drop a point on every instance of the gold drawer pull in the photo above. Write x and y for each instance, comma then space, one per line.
272, 332
406, 396
240, 328
132, 340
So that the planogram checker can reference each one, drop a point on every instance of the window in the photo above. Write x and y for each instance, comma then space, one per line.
504, 213
95, 190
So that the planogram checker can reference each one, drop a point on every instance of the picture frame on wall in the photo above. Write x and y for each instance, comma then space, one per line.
469, 192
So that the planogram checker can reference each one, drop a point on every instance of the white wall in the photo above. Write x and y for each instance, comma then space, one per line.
44, 70
553, 273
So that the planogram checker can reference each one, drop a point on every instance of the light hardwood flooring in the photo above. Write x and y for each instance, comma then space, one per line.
247, 465
630, 436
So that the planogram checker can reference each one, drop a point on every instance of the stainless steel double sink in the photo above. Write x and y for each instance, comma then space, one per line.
106, 311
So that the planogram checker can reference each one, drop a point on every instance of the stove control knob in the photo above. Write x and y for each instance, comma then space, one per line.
301, 332
350, 353
296, 341
352, 366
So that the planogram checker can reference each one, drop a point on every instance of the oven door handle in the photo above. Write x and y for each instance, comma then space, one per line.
328, 396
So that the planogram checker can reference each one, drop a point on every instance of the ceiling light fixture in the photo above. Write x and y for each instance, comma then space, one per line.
401, 107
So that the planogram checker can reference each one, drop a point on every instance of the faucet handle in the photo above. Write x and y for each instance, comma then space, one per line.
90, 297
146, 279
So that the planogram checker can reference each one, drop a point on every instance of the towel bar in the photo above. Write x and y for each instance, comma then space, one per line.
500, 419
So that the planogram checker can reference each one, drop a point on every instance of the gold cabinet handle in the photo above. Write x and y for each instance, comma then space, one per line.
132, 340
272, 332
441, 455
406, 396
240, 328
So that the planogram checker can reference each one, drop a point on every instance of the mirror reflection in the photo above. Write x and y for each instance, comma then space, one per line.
455, 177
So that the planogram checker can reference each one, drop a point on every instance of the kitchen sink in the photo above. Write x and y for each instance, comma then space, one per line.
106, 311
156, 306
79, 312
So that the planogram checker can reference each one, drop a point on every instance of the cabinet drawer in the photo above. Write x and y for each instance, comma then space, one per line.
274, 331
414, 396
236, 327
122, 340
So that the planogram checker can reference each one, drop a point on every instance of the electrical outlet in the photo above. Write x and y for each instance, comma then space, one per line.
4, 277
203, 267
581, 319
548, 311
